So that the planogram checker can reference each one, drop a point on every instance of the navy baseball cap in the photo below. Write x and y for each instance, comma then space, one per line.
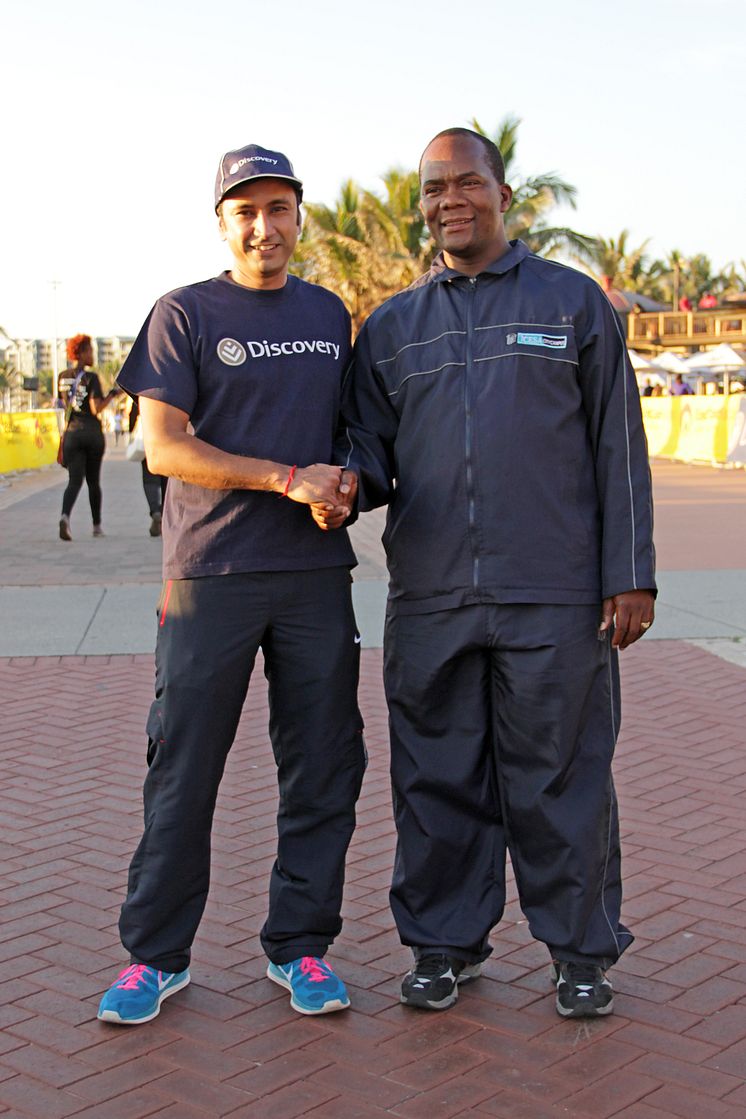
253, 162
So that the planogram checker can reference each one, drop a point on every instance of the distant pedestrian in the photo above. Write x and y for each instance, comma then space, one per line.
118, 427
83, 443
153, 485
680, 387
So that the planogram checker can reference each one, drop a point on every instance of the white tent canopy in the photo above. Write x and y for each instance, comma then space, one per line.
653, 376
722, 358
639, 363
672, 363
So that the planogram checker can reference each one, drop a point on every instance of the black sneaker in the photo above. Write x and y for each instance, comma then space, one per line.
433, 981
155, 524
583, 991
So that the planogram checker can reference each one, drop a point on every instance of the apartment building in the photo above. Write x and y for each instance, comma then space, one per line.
29, 357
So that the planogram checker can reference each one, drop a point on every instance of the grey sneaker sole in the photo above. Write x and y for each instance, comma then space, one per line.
470, 973
585, 1011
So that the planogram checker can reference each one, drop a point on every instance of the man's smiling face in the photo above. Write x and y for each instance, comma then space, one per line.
463, 203
260, 222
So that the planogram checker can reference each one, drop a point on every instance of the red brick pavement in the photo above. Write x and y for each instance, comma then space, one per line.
231, 1046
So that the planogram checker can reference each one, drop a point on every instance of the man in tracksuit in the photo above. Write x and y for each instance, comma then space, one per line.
239, 381
493, 407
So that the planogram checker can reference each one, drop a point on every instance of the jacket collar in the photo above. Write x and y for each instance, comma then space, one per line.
518, 251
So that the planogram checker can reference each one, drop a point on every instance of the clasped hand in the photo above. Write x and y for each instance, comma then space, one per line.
333, 514
330, 492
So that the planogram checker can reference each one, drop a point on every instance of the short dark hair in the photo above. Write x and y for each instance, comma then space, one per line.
491, 150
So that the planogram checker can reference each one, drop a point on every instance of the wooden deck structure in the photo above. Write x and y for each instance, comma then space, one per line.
652, 332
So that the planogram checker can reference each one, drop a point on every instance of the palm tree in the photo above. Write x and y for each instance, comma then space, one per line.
5, 385
366, 247
734, 280
8, 376
533, 199
357, 248
617, 265
402, 203
692, 276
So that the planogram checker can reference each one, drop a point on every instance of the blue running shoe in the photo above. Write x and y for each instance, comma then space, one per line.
138, 993
313, 986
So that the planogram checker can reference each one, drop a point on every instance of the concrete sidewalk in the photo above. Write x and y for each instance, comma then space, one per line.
98, 595
111, 585
72, 748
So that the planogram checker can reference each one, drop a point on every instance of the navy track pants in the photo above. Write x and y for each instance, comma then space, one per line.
503, 722
209, 632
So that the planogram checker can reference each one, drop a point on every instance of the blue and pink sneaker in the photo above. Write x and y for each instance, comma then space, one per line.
313, 986
137, 994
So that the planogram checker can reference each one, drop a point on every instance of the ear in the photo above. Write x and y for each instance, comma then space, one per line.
221, 227
506, 196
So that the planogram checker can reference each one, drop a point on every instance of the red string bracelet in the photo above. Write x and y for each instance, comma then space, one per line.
289, 482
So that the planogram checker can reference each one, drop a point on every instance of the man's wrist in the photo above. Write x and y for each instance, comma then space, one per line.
289, 480
276, 477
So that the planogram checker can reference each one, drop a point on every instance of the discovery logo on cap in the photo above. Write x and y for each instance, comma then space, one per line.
253, 162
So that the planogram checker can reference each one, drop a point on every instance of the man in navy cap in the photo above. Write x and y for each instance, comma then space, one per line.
238, 380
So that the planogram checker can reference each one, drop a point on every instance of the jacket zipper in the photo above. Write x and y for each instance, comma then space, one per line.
472, 290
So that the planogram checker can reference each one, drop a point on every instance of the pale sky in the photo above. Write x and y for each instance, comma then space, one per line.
115, 116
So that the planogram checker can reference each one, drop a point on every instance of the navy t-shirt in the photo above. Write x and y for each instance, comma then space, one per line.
259, 374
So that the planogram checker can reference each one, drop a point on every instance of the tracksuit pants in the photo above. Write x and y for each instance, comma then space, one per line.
503, 722
209, 632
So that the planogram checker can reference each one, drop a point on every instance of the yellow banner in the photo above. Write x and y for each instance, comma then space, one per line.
688, 428
696, 428
28, 440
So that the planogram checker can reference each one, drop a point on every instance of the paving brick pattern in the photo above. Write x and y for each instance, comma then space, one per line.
229, 1045
72, 763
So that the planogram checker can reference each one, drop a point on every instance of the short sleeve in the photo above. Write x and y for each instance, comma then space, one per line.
94, 386
161, 364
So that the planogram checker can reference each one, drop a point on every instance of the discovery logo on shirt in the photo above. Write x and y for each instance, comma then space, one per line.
233, 353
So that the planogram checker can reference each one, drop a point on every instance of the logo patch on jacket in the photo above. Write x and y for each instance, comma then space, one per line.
548, 341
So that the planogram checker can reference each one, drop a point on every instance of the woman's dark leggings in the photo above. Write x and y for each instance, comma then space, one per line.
152, 485
84, 451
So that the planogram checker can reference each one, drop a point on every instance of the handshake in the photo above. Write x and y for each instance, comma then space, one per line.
330, 492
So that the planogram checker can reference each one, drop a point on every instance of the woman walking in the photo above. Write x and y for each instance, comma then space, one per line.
83, 439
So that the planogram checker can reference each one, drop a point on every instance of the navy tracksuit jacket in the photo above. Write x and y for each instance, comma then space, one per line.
499, 418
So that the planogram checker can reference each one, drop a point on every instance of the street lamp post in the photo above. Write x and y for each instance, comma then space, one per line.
55, 362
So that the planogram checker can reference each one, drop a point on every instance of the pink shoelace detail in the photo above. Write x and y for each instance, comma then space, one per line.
132, 976
314, 969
